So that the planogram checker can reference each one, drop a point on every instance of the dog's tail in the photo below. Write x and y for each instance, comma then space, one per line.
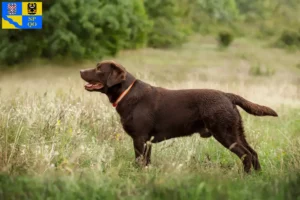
250, 107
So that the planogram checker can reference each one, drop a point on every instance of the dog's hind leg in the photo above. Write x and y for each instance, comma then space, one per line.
232, 143
226, 133
242, 138
255, 161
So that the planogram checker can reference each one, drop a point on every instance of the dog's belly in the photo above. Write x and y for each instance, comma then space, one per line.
162, 133
161, 137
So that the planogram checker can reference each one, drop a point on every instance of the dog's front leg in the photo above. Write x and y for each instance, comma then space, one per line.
142, 150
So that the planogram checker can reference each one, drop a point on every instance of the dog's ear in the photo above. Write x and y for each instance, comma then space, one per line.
117, 75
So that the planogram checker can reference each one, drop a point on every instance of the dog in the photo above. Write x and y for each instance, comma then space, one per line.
153, 114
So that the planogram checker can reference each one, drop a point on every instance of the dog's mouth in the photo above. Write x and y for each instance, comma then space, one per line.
93, 86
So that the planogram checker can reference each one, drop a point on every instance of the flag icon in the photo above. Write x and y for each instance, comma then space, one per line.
22, 15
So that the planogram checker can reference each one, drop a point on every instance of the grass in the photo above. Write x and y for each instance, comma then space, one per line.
60, 142
258, 70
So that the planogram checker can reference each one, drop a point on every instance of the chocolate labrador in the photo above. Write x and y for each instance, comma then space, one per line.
152, 114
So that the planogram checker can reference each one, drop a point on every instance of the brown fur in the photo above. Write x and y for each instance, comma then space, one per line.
157, 114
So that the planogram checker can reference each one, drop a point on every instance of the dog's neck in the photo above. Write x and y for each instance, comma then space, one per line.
114, 92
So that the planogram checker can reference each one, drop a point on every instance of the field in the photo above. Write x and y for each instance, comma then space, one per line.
58, 141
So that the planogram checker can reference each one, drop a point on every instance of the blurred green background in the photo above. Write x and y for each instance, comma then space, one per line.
80, 30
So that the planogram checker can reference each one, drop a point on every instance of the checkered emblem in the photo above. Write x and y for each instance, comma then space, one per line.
12, 8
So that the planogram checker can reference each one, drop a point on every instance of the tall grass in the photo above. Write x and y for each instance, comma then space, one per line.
59, 141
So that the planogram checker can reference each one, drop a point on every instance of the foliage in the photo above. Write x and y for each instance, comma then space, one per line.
225, 38
289, 39
167, 23
96, 28
223, 11
205, 15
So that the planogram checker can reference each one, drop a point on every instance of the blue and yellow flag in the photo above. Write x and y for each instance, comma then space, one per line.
22, 15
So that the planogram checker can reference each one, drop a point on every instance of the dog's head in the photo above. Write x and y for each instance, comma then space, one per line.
106, 74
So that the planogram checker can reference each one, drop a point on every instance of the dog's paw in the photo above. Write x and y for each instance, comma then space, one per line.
141, 161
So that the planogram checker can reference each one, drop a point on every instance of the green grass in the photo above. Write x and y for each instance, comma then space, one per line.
58, 141
152, 185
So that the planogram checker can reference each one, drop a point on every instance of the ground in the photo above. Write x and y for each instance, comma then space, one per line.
59, 141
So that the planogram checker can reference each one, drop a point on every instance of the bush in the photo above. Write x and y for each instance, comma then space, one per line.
289, 38
225, 38
168, 26
79, 30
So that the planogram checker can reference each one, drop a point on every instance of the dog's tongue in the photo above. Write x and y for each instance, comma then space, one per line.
89, 85
96, 86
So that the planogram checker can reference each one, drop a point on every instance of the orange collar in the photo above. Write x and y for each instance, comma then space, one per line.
115, 104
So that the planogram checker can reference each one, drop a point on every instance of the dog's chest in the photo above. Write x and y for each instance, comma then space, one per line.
127, 123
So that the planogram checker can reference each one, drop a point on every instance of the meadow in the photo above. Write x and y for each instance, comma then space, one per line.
58, 141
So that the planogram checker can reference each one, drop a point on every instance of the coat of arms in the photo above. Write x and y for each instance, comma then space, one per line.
31, 8
12, 8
